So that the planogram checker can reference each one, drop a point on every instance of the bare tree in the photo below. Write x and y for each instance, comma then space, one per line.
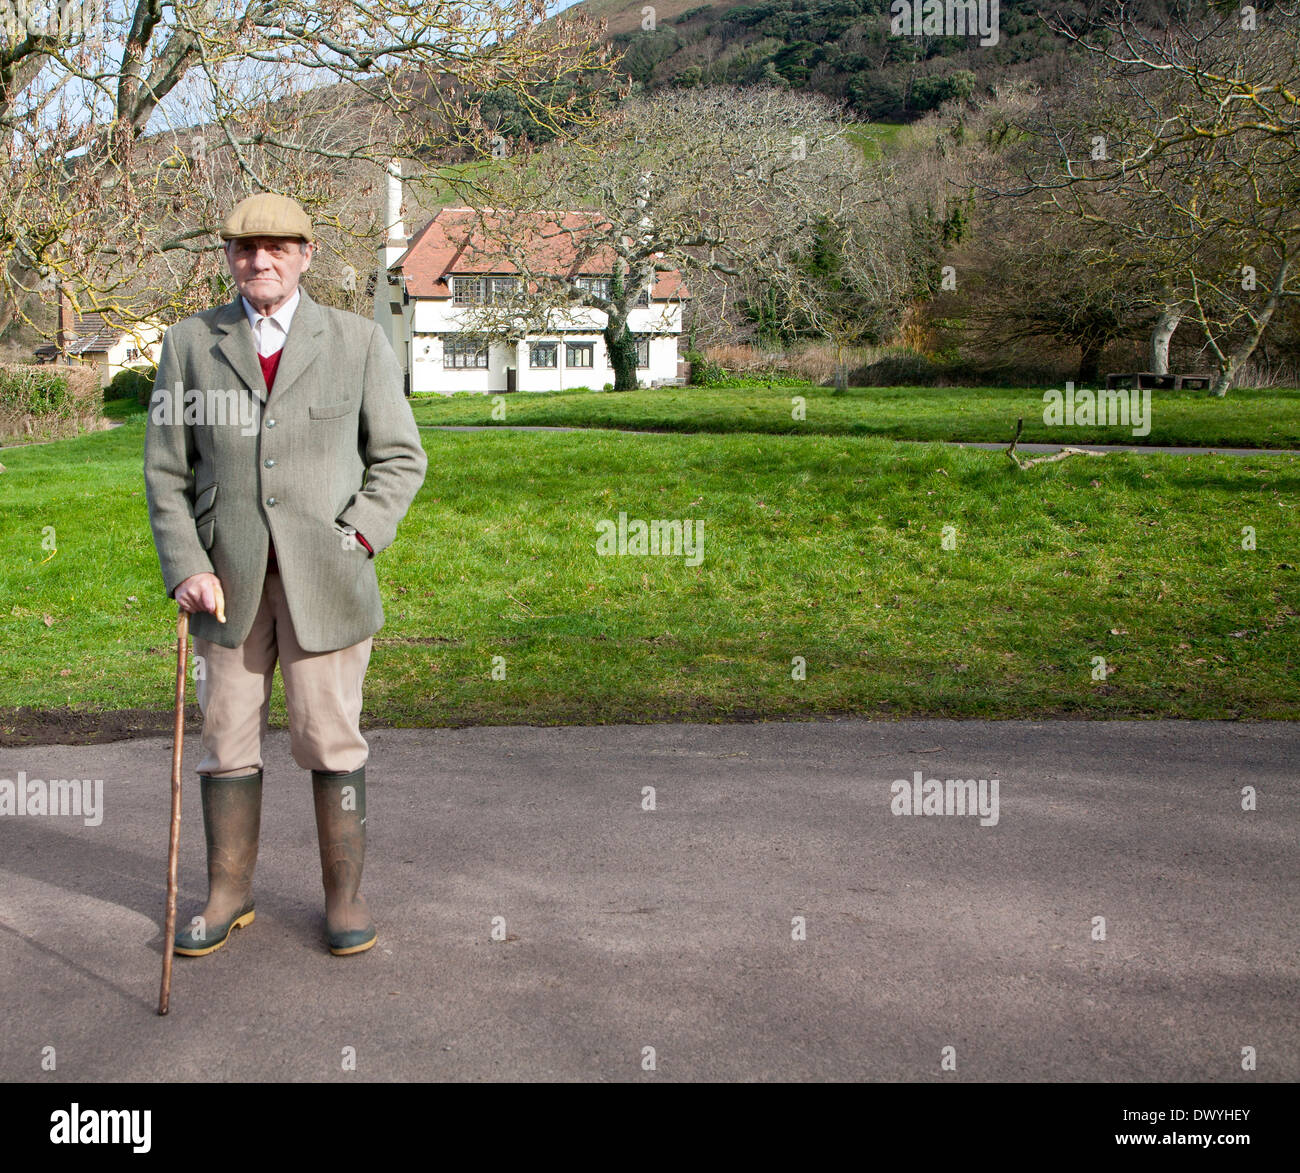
125, 135
852, 283
695, 181
1186, 145
1029, 277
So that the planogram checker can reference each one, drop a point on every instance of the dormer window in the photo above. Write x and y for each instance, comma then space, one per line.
483, 290
467, 290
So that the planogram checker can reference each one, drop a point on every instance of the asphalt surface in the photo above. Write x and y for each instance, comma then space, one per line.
629, 928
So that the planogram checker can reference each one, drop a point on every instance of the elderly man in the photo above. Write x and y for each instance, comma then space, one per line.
280, 457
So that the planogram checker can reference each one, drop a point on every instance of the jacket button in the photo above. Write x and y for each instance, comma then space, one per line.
270, 423
270, 500
269, 463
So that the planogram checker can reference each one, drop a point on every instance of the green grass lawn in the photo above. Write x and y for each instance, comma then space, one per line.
823, 547
1245, 419
875, 138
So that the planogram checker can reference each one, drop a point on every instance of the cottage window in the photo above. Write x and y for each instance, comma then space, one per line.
483, 290
542, 354
460, 351
467, 290
642, 351
578, 354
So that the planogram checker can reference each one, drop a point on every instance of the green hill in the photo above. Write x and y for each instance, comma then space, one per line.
842, 48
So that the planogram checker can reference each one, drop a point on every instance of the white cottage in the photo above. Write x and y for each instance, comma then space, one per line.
90, 340
431, 282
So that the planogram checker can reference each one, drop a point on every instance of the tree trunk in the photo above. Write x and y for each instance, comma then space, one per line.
1223, 380
19, 276
1090, 360
8, 312
1231, 364
1161, 333
841, 370
622, 353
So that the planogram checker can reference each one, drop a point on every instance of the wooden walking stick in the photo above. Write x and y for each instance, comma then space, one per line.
178, 749
174, 844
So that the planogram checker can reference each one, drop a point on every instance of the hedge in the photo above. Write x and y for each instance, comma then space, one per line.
48, 401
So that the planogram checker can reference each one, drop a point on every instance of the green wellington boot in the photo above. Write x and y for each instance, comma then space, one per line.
341, 828
232, 818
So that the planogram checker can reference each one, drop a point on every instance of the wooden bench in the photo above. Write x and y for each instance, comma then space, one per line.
1145, 379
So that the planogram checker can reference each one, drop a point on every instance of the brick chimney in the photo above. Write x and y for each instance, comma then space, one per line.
67, 324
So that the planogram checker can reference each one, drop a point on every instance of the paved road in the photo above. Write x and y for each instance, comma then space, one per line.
672, 928
1168, 450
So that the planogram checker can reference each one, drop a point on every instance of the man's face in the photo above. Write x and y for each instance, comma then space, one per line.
266, 268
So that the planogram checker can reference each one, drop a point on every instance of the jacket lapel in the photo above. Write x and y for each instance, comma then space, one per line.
237, 346
302, 346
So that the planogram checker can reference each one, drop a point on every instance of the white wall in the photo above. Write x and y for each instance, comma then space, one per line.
433, 317
147, 340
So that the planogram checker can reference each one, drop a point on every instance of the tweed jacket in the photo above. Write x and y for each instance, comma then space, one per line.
228, 469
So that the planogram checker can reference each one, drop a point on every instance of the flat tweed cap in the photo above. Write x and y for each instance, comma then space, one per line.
267, 214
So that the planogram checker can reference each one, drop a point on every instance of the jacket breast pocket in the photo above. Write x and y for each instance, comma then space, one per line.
330, 411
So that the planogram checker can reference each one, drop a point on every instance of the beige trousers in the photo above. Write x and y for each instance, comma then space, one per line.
322, 692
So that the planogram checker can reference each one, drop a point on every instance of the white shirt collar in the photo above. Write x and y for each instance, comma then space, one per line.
282, 317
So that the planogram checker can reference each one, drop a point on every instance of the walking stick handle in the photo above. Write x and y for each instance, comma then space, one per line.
174, 840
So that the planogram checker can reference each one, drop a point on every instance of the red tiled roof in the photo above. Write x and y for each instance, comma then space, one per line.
463, 241
91, 335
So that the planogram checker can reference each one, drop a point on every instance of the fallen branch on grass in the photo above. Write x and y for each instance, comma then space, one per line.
1029, 462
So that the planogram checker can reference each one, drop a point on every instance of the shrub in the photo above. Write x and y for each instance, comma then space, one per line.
811, 362
132, 383
48, 400
899, 368
760, 381
704, 371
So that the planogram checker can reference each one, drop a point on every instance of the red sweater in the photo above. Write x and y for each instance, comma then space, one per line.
269, 364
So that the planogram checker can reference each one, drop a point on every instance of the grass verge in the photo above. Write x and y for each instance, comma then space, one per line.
1245, 419
826, 548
